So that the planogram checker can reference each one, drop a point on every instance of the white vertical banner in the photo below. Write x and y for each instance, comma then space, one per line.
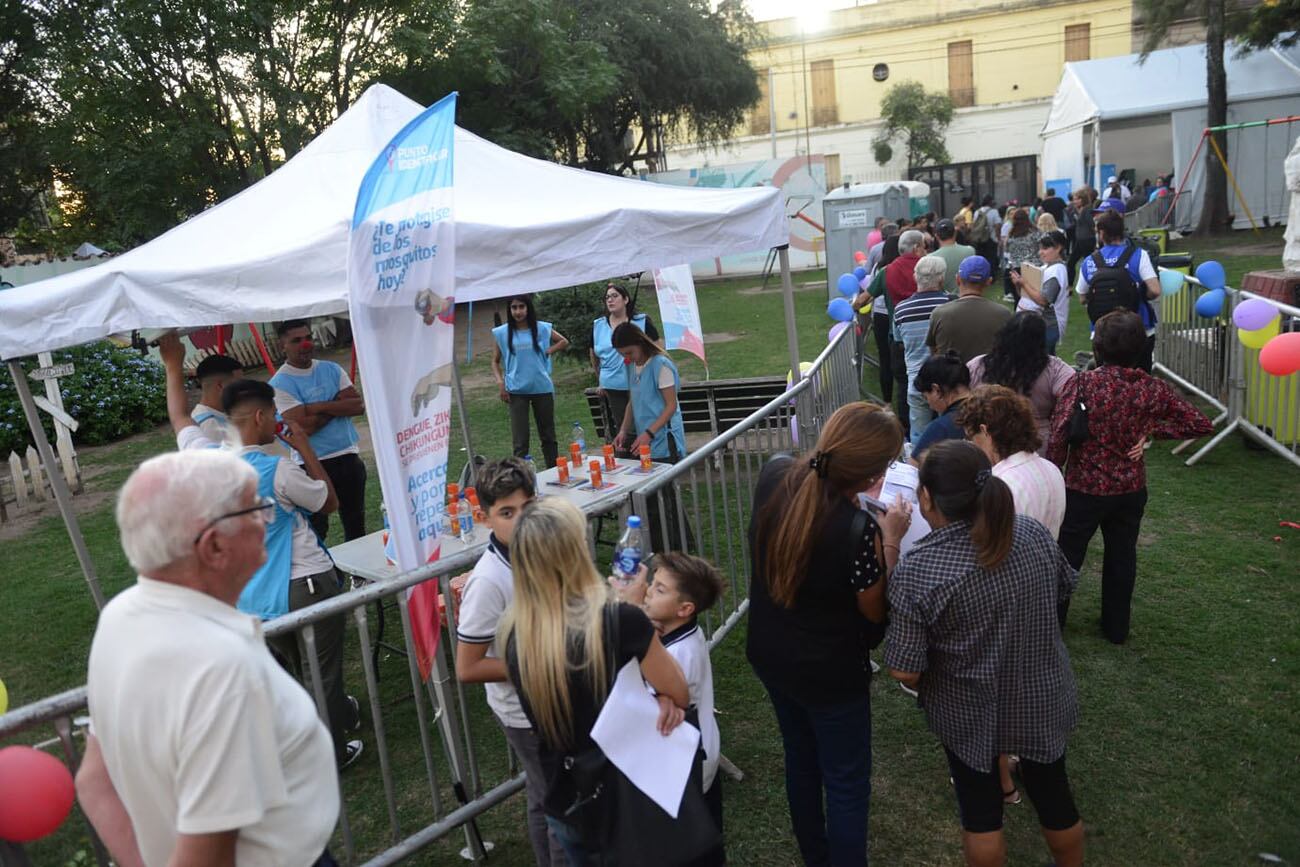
401, 288
678, 310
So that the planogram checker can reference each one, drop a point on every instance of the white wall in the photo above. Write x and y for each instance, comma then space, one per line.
21, 275
1144, 144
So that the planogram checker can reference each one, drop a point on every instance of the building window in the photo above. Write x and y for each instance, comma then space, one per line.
833, 176
1077, 42
760, 120
961, 74
880, 71
824, 110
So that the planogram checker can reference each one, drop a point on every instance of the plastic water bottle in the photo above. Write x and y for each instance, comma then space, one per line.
466, 520
628, 552
580, 437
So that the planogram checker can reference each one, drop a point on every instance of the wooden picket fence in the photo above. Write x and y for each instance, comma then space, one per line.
243, 351
25, 482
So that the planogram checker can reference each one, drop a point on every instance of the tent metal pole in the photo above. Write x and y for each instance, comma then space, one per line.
464, 419
60, 485
1096, 152
787, 296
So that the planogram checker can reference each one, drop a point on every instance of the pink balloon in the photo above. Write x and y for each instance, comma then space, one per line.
1281, 355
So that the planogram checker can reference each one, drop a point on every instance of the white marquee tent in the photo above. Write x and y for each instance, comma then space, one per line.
1150, 116
279, 248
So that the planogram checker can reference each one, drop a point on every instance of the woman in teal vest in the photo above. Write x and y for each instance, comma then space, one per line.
652, 414
606, 362
525, 346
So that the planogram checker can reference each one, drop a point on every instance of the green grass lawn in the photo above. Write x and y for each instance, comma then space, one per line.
1188, 744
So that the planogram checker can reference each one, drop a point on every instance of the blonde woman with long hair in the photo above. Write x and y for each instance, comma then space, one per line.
817, 607
556, 650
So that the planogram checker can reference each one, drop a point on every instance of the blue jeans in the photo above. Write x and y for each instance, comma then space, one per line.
827, 749
919, 414
577, 852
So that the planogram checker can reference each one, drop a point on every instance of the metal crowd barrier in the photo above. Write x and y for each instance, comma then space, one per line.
1204, 357
445, 788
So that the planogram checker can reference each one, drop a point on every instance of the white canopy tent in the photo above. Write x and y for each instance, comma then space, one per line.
1150, 117
278, 250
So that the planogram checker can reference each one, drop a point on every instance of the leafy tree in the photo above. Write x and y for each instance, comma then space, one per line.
1255, 25
576, 80
921, 119
24, 169
155, 111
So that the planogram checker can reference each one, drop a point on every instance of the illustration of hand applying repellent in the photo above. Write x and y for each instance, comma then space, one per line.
430, 305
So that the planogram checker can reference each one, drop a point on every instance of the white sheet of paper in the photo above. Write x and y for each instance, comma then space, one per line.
902, 479
627, 732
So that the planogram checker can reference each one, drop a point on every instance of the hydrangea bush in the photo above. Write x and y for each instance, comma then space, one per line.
112, 394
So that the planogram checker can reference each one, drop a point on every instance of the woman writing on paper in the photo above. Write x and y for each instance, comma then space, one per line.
606, 362
525, 346
817, 607
564, 643
653, 417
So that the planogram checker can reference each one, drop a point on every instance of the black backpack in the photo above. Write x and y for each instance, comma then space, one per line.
1112, 287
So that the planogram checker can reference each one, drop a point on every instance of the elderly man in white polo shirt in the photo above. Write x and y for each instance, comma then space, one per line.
202, 750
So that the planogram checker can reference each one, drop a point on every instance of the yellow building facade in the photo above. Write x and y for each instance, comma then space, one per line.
836, 70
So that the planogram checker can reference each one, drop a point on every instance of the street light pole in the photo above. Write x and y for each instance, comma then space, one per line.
807, 119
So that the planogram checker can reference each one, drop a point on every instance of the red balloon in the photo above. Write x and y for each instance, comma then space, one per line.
1281, 355
859, 256
36, 794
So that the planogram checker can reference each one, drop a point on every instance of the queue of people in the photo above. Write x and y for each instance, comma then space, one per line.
972, 615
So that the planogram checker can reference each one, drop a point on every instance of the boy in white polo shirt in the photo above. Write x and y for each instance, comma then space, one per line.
682, 588
504, 488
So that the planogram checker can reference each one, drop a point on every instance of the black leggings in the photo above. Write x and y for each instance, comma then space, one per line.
979, 794
880, 330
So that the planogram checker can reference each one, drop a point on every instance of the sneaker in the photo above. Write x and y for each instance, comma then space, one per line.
355, 719
352, 752
1008, 297
907, 689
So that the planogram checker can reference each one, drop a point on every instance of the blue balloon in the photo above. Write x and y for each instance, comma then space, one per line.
848, 284
860, 272
1171, 282
1210, 304
840, 309
1211, 275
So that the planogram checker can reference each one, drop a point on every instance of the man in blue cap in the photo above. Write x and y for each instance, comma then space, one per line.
968, 324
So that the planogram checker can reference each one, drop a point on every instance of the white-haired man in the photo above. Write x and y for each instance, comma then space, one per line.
203, 750
912, 323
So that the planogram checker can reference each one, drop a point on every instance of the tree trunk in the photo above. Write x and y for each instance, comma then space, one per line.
1214, 207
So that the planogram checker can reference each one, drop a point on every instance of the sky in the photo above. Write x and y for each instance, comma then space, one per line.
766, 10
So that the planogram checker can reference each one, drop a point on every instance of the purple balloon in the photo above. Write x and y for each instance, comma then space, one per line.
1253, 314
835, 330
794, 429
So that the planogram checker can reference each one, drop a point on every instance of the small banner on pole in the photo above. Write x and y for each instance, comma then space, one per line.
401, 287
679, 311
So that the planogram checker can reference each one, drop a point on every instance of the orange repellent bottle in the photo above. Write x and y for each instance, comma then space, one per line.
475, 509
453, 517
575, 456
646, 463
596, 480
562, 469
453, 492
610, 461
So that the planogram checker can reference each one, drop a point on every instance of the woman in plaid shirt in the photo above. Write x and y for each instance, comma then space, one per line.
973, 629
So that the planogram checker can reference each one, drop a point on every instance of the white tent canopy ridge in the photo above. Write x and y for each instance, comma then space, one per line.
278, 249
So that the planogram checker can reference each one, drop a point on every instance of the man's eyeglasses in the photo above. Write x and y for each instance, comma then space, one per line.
262, 510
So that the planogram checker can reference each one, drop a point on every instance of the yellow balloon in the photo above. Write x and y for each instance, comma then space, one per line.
1256, 339
804, 367
4, 698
